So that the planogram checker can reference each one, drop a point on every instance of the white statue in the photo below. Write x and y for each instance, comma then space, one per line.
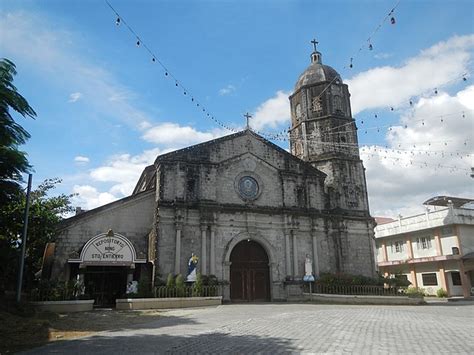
132, 287
308, 266
192, 264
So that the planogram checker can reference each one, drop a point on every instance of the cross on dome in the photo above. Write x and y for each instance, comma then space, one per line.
315, 56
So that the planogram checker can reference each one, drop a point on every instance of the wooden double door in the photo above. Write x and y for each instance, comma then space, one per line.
249, 273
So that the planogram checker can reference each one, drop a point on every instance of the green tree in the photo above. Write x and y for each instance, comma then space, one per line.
45, 213
13, 162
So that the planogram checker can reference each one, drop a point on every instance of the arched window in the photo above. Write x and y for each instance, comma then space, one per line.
298, 111
338, 104
317, 105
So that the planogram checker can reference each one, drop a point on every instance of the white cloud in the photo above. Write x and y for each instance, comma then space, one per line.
81, 159
229, 89
382, 55
58, 55
394, 86
124, 170
272, 112
172, 134
121, 172
74, 96
144, 125
88, 197
426, 159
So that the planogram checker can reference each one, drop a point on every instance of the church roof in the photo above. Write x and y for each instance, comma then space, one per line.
316, 73
192, 153
178, 153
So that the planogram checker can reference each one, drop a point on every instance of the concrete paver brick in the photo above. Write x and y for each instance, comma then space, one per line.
291, 328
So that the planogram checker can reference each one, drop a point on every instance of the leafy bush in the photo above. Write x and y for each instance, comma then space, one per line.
180, 286
415, 292
210, 280
57, 291
396, 280
442, 293
198, 285
170, 281
144, 287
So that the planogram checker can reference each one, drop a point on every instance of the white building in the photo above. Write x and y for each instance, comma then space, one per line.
434, 250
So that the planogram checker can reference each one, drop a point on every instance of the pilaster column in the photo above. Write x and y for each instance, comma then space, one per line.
413, 277
287, 254
465, 281
439, 248
384, 252
295, 255
315, 254
177, 258
410, 248
203, 249
212, 265
442, 276
305, 141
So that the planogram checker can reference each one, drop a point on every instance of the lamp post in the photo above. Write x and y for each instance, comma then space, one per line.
23, 240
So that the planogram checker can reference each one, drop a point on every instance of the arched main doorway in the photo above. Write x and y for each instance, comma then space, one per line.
249, 273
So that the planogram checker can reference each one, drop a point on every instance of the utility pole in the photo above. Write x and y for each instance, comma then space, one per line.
23, 241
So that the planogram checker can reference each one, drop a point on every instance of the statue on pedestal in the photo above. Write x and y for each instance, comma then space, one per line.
192, 264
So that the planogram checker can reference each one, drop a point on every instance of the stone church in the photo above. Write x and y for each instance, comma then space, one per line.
250, 211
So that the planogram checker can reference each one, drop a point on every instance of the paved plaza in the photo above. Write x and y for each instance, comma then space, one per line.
291, 328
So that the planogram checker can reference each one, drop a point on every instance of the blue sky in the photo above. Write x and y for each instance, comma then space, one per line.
105, 110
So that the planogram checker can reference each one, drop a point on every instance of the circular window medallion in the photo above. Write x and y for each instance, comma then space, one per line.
248, 188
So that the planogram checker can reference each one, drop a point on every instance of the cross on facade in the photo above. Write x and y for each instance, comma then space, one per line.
248, 116
314, 42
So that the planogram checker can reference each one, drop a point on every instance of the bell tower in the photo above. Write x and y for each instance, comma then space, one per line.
324, 133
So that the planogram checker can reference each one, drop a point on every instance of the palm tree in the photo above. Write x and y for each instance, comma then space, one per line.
13, 162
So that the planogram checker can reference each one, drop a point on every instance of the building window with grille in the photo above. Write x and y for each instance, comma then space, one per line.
317, 106
429, 279
397, 246
456, 277
423, 243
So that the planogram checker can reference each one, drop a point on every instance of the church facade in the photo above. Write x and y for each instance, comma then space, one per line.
249, 210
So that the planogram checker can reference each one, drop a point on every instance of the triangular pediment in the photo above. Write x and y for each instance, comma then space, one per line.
230, 147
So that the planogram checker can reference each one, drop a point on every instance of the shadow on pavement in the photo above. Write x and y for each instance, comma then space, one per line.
215, 342
111, 325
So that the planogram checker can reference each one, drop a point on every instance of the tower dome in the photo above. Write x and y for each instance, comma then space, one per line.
317, 72
324, 133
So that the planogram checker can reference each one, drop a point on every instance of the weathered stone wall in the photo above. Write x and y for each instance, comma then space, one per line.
199, 192
269, 230
132, 218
